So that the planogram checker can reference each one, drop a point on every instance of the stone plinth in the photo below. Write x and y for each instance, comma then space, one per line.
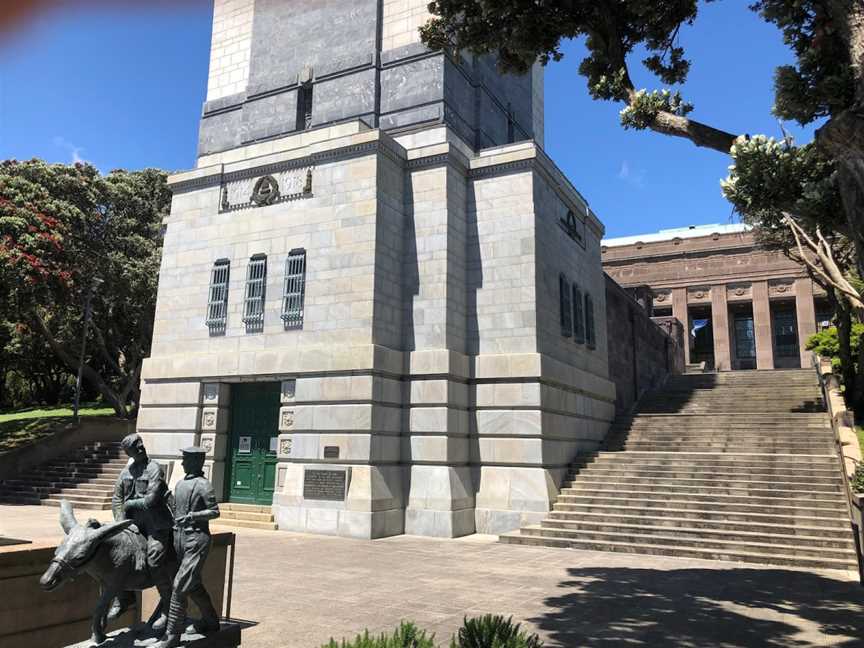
228, 636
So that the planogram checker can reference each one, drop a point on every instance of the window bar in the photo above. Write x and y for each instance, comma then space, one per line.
589, 322
578, 316
256, 275
295, 289
564, 306
217, 305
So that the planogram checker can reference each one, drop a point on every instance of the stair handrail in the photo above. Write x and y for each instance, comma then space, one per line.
845, 438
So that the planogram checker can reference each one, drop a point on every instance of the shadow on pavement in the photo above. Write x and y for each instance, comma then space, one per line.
703, 607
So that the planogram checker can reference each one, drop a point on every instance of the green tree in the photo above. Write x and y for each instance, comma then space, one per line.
827, 81
63, 228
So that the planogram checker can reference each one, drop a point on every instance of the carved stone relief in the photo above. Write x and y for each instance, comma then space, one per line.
268, 189
208, 419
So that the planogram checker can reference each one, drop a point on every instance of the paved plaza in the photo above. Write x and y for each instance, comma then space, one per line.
299, 590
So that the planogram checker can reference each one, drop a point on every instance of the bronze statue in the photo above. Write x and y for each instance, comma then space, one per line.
141, 495
114, 555
194, 506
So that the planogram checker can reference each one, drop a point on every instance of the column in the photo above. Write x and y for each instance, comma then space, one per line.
762, 326
720, 325
805, 315
679, 310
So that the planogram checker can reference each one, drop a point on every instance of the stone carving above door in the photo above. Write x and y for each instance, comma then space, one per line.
266, 189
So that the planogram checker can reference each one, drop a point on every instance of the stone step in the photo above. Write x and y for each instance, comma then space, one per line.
685, 487
696, 517
248, 508
686, 436
244, 515
778, 460
62, 481
700, 482
89, 504
732, 553
672, 447
683, 472
689, 501
740, 459
767, 546
828, 539
267, 526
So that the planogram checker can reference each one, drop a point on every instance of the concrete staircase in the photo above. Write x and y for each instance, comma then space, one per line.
734, 466
85, 477
250, 516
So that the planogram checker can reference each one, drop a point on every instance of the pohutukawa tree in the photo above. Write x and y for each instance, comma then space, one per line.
827, 81
805, 200
63, 228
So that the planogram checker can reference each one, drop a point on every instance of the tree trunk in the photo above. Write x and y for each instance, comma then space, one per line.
844, 339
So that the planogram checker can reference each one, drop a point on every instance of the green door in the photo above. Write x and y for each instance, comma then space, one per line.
252, 453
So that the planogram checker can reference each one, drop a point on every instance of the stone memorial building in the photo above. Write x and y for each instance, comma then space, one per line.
381, 306
743, 307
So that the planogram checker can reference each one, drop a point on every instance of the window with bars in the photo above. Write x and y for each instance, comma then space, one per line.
590, 331
217, 303
578, 316
253, 306
564, 306
304, 107
294, 290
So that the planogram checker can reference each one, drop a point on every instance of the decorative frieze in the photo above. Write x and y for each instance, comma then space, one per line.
781, 288
286, 418
739, 291
268, 189
699, 294
289, 388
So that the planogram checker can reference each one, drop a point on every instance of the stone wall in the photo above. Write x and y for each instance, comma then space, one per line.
264, 51
429, 365
643, 351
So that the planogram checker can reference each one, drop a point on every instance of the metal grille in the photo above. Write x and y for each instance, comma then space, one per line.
217, 304
564, 305
295, 289
256, 279
304, 107
590, 335
578, 316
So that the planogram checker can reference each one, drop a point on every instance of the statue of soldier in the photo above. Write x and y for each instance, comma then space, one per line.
194, 505
141, 495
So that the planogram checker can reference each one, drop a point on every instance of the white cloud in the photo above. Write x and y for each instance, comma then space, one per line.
73, 150
635, 177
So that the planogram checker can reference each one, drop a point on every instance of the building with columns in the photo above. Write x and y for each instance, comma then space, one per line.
381, 306
743, 307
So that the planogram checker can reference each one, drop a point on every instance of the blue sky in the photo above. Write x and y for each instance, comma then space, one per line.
124, 88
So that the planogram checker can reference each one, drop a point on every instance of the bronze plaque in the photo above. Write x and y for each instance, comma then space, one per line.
324, 484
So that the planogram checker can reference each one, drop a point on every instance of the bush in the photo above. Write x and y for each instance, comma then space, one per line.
407, 635
858, 479
493, 632
826, 344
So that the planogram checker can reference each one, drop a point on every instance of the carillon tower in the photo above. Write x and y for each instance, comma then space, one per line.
381, 308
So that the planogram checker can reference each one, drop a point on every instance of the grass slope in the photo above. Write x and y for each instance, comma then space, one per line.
23, 426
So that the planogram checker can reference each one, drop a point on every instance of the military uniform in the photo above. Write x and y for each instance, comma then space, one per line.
140, 495
194, 505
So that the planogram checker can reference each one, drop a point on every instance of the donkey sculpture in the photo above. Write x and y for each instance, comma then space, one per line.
115, 556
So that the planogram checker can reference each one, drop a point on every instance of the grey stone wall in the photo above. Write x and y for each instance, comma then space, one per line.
642, 352
345, 52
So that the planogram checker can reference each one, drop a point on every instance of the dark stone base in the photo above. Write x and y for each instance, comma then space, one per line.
140, 636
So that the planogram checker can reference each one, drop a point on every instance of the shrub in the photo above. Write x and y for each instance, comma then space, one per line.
858, 479
493, 632
407, 635
825, 343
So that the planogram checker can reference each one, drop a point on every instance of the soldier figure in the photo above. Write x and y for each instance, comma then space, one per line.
194, 505
140, 495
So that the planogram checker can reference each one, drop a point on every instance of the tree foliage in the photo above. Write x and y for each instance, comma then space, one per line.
63, 230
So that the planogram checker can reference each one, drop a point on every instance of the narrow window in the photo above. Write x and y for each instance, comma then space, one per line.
217, 304
304, 107
295, 289
590, 336
578, 316
256, 279
564, 305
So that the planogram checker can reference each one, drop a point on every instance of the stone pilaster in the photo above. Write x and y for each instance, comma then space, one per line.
720, 326
762, 326
805, 314
679, 310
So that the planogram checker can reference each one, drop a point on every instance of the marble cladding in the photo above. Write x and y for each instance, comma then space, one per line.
428, 364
